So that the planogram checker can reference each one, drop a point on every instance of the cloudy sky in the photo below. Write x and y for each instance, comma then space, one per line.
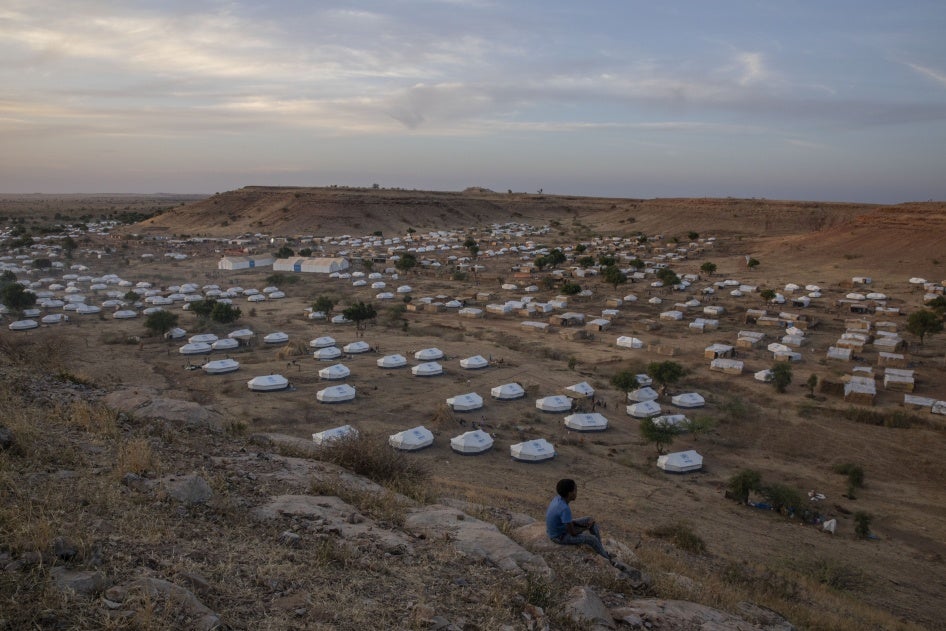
839, 100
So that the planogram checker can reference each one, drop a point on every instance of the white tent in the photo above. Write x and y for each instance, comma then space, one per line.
412, 439
427, 369
554, 403
220, 366
680, 462
324, 437
267, 383
428, 354
194, 348
335, 371
357, 347
592, 422
276, 338
642, 394
688, 400
508, 391
532, 450
629, 342
471, 443
225, 344
581, 390
328, 353
392, 361
322, 342
336, 394
473, 363
465, 402
644, 409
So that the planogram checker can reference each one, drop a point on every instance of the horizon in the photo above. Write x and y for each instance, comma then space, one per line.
840, 103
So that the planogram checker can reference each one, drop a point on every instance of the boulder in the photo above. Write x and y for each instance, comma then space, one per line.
476, 538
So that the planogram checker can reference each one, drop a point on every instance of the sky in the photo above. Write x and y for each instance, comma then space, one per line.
834, 101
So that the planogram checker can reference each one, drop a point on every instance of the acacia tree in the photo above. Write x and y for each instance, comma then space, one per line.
360, 313
924, 322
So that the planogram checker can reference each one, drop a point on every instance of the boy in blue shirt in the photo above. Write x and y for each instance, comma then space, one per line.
562, 529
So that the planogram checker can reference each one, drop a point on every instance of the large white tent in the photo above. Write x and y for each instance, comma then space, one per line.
465, 402
336, 394
554, 403
412, 439
471, 443
335, 371
644, 409
267, 383
392, 361
508, 391
532, 450
220, 366
326, 436
680, 461
587, 422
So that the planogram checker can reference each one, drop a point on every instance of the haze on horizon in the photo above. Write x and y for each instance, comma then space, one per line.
831, 101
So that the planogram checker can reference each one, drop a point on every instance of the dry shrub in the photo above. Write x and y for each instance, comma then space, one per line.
94, 418
136, 456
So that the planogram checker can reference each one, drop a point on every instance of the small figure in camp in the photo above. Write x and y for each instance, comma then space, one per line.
562, 529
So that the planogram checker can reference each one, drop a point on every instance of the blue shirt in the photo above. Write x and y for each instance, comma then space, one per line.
556, 517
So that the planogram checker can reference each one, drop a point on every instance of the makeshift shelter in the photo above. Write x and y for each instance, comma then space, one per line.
392, 361
590, 422
471, 443
581, 390
427, 369
555, 403
220, 366
335, 371
688, 400
412, 439
508, 391
680, 462
336, 394
465, 402
644, 409
267, 383
532, 451
474, 363
326, 436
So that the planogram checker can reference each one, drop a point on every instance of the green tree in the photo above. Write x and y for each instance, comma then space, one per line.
781, 376
324, 304
743, 483
665, 374
16, 298
570, 289
406, 262
225, 313
660, 434
708, 268
284, 252
924, 322
161, 322
624, 381
360, 313
614, 276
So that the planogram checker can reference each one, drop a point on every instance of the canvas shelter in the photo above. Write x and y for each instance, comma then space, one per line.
587, 422
471, 443
326, 436
465, 402
555, 403
680, 462
267, 383
412, 439
336, 394
532, 451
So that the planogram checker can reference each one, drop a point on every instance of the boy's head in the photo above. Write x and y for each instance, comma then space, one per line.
566, 487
